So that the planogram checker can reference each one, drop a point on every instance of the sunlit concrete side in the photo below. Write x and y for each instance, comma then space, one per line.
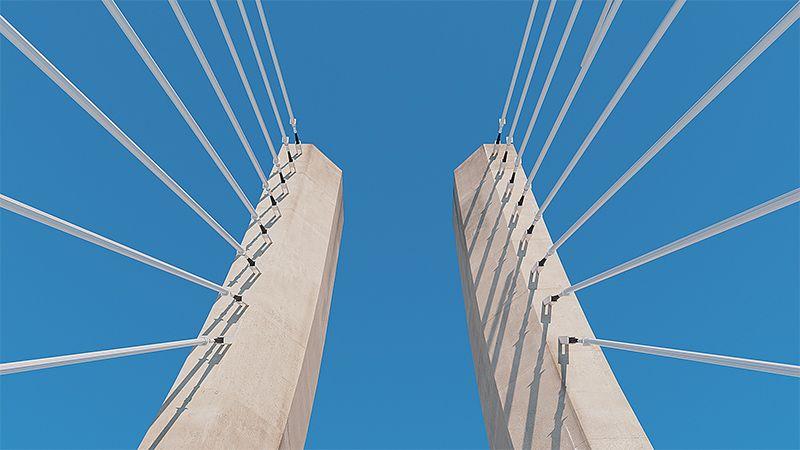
514, 338
257, 391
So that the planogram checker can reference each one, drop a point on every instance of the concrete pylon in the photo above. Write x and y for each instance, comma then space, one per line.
533, 394
257, 391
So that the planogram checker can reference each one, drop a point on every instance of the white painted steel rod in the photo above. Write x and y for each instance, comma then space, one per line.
719, 360
83, 101
42, 217
292, 118
553, 66
763, 209
137, 43
78, 358
520, 55
263, 72
239, 68
768, 39
623, 87
531, 67
591, 50
223, 99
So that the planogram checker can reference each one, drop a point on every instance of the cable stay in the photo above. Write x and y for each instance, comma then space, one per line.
543, 93
707, 358
137, 43
98, 115
529, 76
62, 225
78, 358
763, 209
758, 48
623, 87
259, 61
253, 103
292, 119
502, 120
603, 23
212, 78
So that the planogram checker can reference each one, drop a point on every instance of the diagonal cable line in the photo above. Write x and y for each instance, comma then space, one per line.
543, 93
263, 72
751, 55
707, 358
239, 68
591, 51
623, 87
292, 118
137, 43
514, 76
763, 209
83, 101
529, 76
212, 78
78, 358
62, 225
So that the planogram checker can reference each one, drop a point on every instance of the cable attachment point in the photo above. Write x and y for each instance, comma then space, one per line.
513, 175
505, 155
283, 180
540, 265
272, 200
219, 340
552, 299
499, 136
521, 200
237, 298
263, 229
529, 231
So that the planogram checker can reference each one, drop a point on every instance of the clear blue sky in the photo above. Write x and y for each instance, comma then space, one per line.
398, 94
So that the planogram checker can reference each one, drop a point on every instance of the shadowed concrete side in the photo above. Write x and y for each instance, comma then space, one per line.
514, 338
257, 391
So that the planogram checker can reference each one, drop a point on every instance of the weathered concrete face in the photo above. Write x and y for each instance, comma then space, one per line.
514, 338
258, 391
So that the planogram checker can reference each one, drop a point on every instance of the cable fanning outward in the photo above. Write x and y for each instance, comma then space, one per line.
502, 120
32, 213
763, 209
263, 72
553, 66
623, 87
707, 358
67, 360
292, 118
187, 116
83, 101
531, 67
603, 23
240, 69
212, 78
758, 48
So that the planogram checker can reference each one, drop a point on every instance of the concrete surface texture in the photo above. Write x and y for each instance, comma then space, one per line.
257, 391
529, 400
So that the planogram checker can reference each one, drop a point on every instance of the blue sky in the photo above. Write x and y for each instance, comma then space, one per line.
398, 94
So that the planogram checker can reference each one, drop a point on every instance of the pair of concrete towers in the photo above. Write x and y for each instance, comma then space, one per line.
256, 390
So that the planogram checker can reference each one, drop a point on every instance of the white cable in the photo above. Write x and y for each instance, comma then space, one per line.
773, 34
529, 76
264, 78
516, 69
239, 68
623, 87
549, 79
763, 209
176, 100
274, 55
78, 358
42, 217
719, 360
70, 89
600, 32
212, 78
